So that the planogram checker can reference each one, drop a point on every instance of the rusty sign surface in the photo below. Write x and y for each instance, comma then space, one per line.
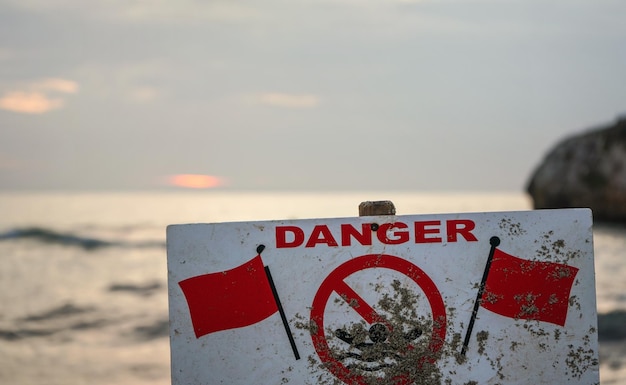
472, 298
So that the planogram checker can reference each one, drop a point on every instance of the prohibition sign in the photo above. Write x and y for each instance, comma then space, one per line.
335, 283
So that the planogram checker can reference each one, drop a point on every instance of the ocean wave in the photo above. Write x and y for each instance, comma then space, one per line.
69, 318
71, 239
612, 326
141, 290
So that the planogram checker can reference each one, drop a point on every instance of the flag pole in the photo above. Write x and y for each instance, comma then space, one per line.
282, 314
494, 242
259, 250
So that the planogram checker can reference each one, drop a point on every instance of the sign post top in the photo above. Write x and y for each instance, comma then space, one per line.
369, 208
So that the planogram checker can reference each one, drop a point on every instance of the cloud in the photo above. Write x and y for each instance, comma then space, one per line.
36, 98
288, 100
143, 94
153, 11
137, 82
29, 102
56, 84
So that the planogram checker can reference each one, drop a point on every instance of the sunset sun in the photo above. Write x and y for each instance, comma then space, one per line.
195, 181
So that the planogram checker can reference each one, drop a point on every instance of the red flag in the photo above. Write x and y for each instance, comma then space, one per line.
229, 299
533, 290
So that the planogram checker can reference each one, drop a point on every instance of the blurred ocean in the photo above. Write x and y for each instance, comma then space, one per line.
83, 276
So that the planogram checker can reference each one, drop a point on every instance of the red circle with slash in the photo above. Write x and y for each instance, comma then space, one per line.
335, 283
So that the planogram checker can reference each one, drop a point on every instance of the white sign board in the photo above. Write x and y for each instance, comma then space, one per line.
474, 298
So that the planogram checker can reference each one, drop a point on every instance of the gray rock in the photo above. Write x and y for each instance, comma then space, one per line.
586, 170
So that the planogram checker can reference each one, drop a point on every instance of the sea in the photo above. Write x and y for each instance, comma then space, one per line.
83, 275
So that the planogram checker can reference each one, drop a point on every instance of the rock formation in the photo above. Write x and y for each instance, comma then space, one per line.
586, 170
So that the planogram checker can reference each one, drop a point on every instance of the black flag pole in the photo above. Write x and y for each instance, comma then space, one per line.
282, 314
260, 249
494, 241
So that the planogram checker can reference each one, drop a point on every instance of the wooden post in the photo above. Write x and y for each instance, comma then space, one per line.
369, 208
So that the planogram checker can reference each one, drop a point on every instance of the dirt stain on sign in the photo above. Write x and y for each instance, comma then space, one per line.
397, 351
481, 338
513, 229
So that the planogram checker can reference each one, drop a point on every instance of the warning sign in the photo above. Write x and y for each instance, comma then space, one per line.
485, 298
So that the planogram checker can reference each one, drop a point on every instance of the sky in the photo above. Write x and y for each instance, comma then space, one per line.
426, 95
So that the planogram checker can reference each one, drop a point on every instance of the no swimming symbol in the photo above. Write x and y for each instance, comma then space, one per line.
394, 346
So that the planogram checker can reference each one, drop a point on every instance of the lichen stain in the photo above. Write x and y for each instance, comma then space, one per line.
481, 338
401, 355
580, 359
513, 229
555, 250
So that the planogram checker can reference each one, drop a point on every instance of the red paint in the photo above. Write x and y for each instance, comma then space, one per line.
229, 299
454, 230
321, 234
281, 236
461, 227
425, 232
398, 235
364, 237
523, 289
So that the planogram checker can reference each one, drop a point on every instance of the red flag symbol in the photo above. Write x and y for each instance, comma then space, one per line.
229, 299
519, 288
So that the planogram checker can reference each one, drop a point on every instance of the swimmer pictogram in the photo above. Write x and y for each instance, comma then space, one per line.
383, 346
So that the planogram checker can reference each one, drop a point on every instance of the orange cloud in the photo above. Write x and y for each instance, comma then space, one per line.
289, 100
56, 84
29, 102
34, 97
197, 181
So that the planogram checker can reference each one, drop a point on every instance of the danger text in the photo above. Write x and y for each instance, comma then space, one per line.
395, 233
